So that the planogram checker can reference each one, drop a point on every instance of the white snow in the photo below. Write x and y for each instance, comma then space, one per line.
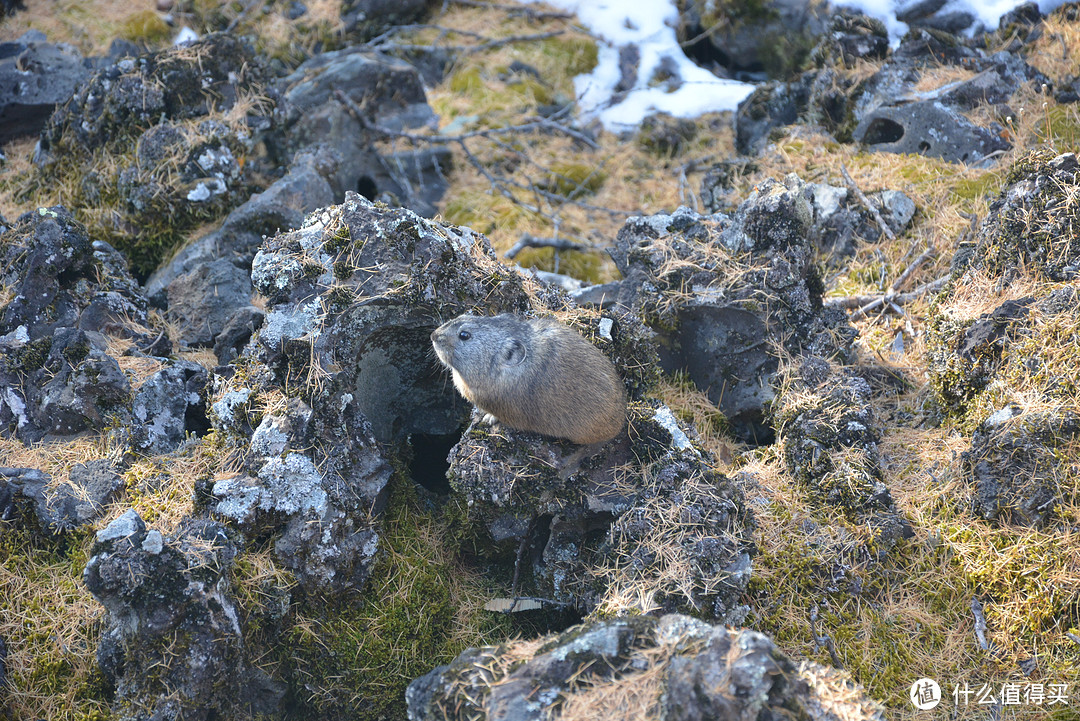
649, 24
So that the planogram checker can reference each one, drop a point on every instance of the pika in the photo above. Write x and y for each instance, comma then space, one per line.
534, 375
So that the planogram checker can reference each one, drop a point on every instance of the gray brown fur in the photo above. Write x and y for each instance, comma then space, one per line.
534, 375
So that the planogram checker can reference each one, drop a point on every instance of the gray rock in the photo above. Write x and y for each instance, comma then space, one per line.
204, 298
928, 128
772, 40
169, 405
764, 250
323, 518
602, 537
65, 506
368, 18
62, 279
238, 330
166, 596
705, 672
821, 412
388, 91
88, 390
1014, 464
950, 22
909, 11
281, 206
36, 77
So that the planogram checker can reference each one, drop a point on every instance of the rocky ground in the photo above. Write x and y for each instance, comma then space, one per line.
235, 482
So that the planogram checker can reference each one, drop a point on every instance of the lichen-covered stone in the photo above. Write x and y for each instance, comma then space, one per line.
173, 644
1016, 464
169, 405
64, 506
672, 667
721, 290
829, 438
643, 524
61, 278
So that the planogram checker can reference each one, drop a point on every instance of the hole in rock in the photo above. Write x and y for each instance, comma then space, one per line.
428, 466
923, 146
883, 130
366, 187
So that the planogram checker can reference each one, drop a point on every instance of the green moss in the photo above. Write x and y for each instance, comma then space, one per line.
353, 656
570, 55
572, 179
48, 614
984, 186
145, 26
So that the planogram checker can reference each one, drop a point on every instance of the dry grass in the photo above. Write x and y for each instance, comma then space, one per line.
51, 624
89, 26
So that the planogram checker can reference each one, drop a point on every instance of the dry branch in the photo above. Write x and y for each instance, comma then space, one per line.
866, 202
531, 241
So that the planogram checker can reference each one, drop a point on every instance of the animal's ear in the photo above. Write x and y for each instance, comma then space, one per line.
513, 352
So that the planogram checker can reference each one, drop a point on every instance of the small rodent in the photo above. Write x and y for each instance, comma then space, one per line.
534, 375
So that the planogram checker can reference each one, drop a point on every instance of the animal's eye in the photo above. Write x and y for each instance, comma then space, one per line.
464, 335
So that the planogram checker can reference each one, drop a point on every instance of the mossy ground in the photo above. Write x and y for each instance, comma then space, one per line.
891, 622
352, 657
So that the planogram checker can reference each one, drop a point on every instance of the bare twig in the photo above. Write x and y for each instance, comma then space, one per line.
531, 241
824, 640
866, 202
980, 623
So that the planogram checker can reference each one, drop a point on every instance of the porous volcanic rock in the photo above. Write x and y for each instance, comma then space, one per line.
672, 667
173, 645
64, 506
719, 290
645, 523
56, 376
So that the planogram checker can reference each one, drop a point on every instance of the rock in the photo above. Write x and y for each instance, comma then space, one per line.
830, 444
1014, 465
61, 385
156, 130
62, 279
729, 262
697, 672
166, 596
773, 105
718, 184
664, 135
281, 206
613, 540
368, 18
63, 507
910, 11
184, 170
390, 93
772, 39
928, 128
204, 298
37, 77
168, 406
238, 330
323, 516
210, 73
313, 276
1029, 224
852, 37
953, 22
